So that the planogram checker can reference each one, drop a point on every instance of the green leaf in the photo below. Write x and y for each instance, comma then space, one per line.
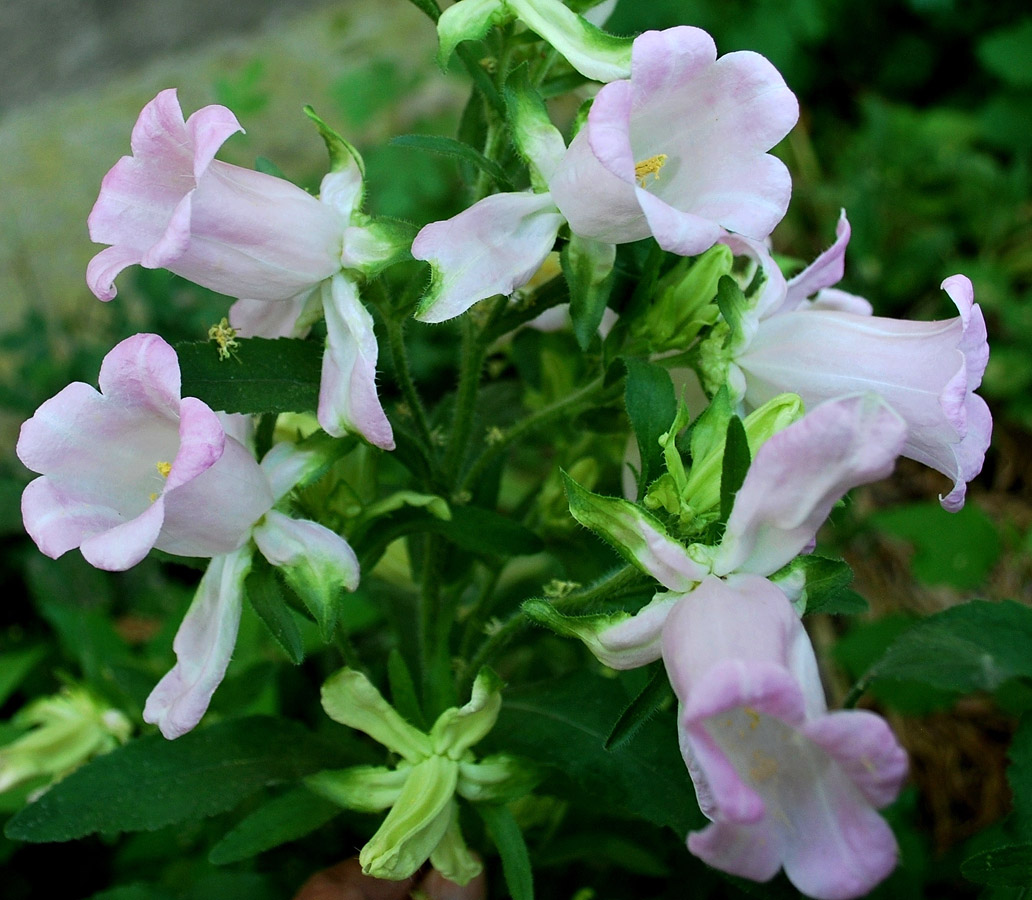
1006, 53
642, 708
958, 548
15, 666
403, 690
734, 466
152, 782
446, 146
430, 7
732, 304
485, 531
976, 646
286, 818
1019, 776
588, 269
564, 724
507, 837
651, 407
821, 585
263, 590
1000, 867
261, 376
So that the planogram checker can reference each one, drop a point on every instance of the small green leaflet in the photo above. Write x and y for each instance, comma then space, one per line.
640, 709
1000, 867
734, 466
266, 596
260, 376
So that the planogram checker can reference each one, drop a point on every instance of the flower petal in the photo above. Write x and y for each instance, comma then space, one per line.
203, 647
347, 392
800, 473
491, 248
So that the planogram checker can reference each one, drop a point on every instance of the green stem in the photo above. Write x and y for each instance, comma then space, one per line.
568, 405
610, 586
855, 693
465, 399
396, 338
429, 606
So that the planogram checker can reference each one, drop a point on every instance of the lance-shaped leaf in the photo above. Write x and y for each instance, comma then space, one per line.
538, 141
636, 535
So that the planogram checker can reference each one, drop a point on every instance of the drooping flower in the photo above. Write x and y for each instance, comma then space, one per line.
784, 782
831, 345
172, 205
252, 236
678, 151
136, 466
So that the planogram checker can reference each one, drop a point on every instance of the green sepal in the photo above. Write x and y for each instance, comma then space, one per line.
351, 699
590, 50
459, 728
436, 506
500, 778
588, 269
343, 155
361, 788
377, 243
451, 856
537, 140
637, 535
417, 822
469, 20
683, 303
585, 628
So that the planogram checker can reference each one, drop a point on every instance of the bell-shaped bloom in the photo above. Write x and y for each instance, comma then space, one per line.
678, 151
784, 782
255, 237
172, 205
831, 346
135, 466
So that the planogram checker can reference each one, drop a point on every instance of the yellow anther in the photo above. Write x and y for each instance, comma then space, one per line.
763, 767
153, 497
224, 336
164, 468
647, 167
754, 717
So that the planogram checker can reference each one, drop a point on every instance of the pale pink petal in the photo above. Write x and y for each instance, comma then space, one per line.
213, 513
800, 473
347, 392
267, 318
287, 464
749, 851
209, 128
311, 555
636, 641
102, 270
826, 270
834, 300
342, 190
123, 546
203, 647
864, 746
201, 442
58, 521
491, 248
143, 370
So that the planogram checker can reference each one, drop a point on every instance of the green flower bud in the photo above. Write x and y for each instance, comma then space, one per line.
67, 730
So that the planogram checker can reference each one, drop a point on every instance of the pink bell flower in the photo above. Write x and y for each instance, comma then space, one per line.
172, 205
678, 152
135, 466
261, 239
831, 346
784, 782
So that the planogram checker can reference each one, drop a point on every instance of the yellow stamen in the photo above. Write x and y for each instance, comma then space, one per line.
164, 468
763, 767
153, 497
647, 167
224, 336
754, 717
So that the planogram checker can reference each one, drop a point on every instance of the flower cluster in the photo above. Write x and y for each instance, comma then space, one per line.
675, 149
